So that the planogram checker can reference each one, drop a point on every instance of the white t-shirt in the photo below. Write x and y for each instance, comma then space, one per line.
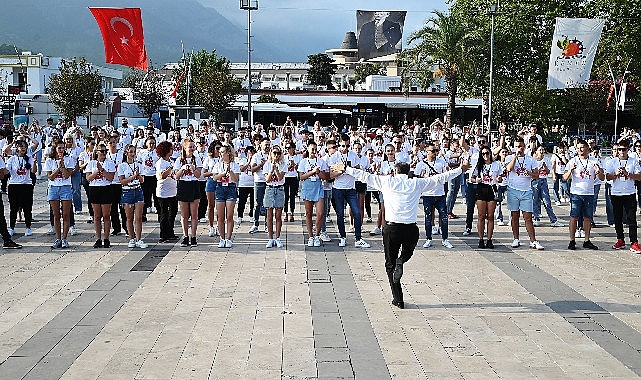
518, 179
292, 163
559, 165
148, 159
344, 181
17, 167
221, 167
51, 165
246, 178
426, 169
116, 158
623, 185
307, 164
127, 169
188, 175
257, 159
100, 180
583, 175
167, 187
282, 168
544, 170
489, 173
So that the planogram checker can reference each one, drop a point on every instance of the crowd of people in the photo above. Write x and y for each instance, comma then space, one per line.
220, 178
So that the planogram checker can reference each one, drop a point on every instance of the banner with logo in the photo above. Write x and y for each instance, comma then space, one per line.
379, 33
122, 34
574, 46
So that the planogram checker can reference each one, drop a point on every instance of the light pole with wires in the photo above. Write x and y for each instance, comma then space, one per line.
493, 11
249, 6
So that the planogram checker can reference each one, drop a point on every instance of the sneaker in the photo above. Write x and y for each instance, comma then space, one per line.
588, 244
557, 203
97, 244
193, 242
317, 241
611, 225
10, 244
211, 232
467, 232
446, 243
481, 243
11, 231
351, 229
78, 212
50, 230
57, 244
516, 243
216, 232
489, 244
291, 217
106, 243
64, 243
375, 231
581, 233
228, 243
369, 220
342, 242
132, 243
572, 245
72, 230
427, 244
620, 244
185, 242
536, 223
253, 229
202, 220
500, 223
435, 230
557, 224
270, 243
221, 243
153, 210
279, 243
141, 244
265, 229
361, 244
577, 234
325, 237
635, 247
310, 242
451, 216
28, 232
239, 221
536, 245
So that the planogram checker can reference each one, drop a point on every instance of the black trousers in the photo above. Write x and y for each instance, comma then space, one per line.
243, 194
3, 223
85, 185
202, 205
291, 190
629, 204
403, 238
118, 221
470, 203
167, 210
149, 192
20, 197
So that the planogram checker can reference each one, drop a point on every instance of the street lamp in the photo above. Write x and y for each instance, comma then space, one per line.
249, 6
493, 11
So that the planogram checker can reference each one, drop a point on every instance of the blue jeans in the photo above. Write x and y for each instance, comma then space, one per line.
327, 198
39, 161
541, 193
429, 203
608, 204
349, 196
470, 203
453, 186
597, 188
75, 190
562, 186
259, 196
500, 197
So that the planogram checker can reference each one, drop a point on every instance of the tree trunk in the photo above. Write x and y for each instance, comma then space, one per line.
451, 86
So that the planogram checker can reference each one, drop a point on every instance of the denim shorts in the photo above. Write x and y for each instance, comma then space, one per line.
581, 205
518, 200
131, 196
311, 190
59, 193
274, 197
210, 187
226, 193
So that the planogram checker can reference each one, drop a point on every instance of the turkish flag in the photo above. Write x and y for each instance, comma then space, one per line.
122, 34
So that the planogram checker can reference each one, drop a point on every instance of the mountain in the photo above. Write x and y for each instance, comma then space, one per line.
66, 28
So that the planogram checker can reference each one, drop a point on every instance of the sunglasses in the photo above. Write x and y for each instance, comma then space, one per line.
622, 149
331, 147
344, 146
432, 150
102, 150
275, 153
485, 153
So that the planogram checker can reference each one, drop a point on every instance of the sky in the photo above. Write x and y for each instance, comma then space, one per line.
306, 27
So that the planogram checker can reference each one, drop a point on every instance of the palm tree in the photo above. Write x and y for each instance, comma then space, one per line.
441, 51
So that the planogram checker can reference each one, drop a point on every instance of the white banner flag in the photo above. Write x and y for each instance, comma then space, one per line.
574, 46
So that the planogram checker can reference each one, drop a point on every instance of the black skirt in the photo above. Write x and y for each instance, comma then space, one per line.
100, 195
485, 192
188, 191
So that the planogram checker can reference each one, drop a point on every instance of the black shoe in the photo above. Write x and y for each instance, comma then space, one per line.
185, 242
172, 238
106, 243
115, 233
399, 304
162, 240
588, 244
481, 244
97, 244
398, 271
489, 244
10, 244
572, 245
193, 242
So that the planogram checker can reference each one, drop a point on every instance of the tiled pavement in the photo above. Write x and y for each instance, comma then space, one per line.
304, 313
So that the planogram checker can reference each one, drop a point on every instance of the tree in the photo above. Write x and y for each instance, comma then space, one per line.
363, 71
320, 70
76, 89
268, 98
444, 43
147, 87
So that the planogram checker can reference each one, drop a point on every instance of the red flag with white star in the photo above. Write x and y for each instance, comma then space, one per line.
122, 34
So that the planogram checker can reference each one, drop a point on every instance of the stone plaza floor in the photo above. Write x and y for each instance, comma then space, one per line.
251, 312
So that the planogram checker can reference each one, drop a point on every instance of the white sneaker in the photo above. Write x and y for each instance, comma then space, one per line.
202, 220
265, 229
557, 203
270, 243
317, 241
153, 210
78, 212
536, 223
369, 220
362, 244
212, 232
279, 243
516, 243
342, 242
446, 243
325, 237
11, 231
221, 243
216, 232
27, 232
65, 243
50, 231
228, 243
435, 230
427, 244
310, 242
72, 230
141, 244
500, 223
253, 229
582, 233
467, 232
375, 231
351, 229
132, 243
536, 245
557, 224
239, 221
577, 234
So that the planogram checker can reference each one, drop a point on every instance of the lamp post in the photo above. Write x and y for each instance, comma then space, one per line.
288, 74
249, 6
493, 11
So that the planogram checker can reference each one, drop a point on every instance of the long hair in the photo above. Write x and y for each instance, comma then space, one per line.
54, 151
183, 152
481, 161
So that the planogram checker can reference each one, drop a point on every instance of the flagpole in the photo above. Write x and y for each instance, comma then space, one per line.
189, 81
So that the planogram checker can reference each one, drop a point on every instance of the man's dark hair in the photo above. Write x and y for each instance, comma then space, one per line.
344, 137
402, 168
581, 141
